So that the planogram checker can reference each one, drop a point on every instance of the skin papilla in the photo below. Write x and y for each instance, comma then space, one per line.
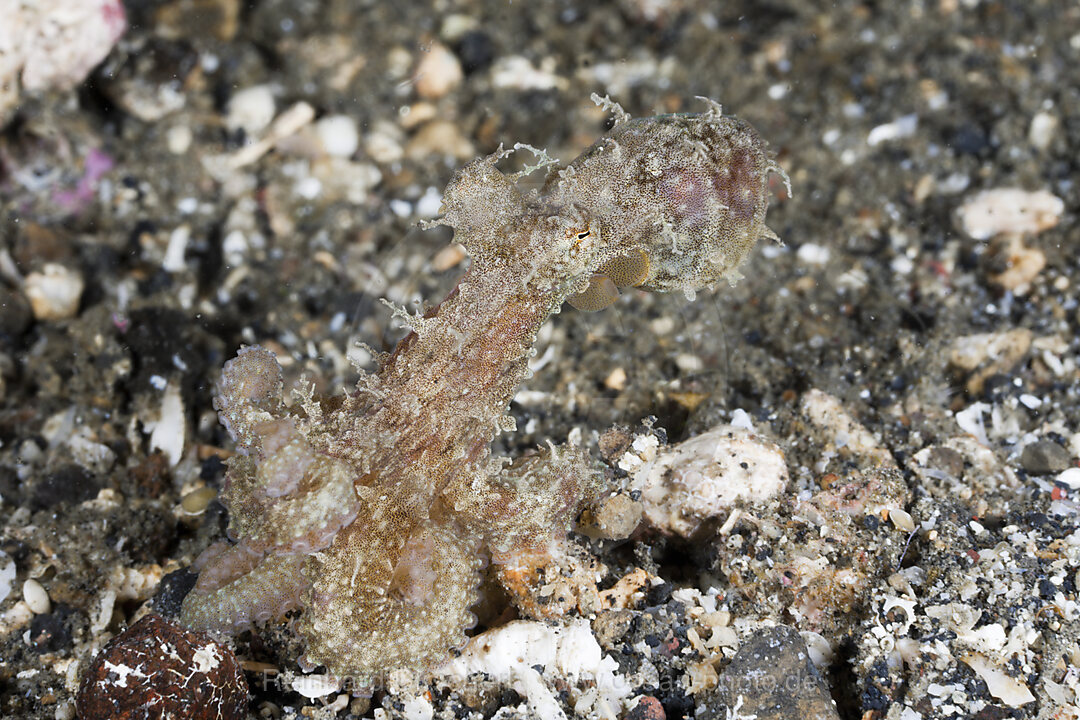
374, 513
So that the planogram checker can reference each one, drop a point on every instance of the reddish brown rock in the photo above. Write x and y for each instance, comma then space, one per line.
647, 708
155, 669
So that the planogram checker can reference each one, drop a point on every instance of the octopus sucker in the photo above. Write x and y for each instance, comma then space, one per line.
374, 514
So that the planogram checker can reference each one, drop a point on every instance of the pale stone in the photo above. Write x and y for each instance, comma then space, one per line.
251, 109
437, 73
1009, 210
705, 476
54, 292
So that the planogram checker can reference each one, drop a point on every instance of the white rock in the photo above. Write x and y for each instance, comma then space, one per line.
176, 249
429, 203
96, 457
178, 139
36, 598
54, 292
741, 419
1009, 210
704, 476
1070, 478
813, 254
338, 135
1042, 129
902, 520
54, 43
970, 420
251, 109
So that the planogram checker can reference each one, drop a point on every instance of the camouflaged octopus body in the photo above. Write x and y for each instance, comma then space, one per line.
372, 515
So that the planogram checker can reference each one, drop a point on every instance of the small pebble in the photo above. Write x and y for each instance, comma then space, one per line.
1041, 132
447, 258
338, 135
1022, 265
902, 520
1044, 457
613, 518
1070, 478
37, 599
704, 477
383, 143
437, 73
439, 137
689, 363
813, 254
251, 109
54, 292
196, 501
616, 379
7, 575
981, 356
178, 139
770, 678
647, 708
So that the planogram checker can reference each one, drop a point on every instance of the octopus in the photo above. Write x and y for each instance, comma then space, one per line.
374, 513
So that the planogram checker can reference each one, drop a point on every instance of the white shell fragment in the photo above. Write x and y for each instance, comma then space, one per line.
1005, 688
1009, 210
316, 686
7, 575
703, 477
167, 432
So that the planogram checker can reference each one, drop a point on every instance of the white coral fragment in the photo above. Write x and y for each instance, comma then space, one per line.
703, 477
1009, 210
570, 653
54, 43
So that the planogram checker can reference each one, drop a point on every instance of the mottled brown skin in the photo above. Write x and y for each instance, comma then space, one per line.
388, 502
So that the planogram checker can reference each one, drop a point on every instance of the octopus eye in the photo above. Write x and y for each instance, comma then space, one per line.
628, 270
579, 234
600, 293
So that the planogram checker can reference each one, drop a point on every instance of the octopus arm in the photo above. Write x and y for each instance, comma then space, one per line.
242, 589
529, 502
384, 598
